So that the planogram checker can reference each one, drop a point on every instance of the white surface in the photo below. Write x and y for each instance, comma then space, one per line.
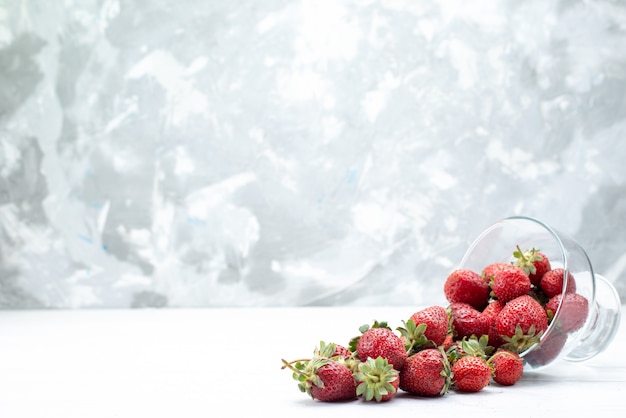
227, 362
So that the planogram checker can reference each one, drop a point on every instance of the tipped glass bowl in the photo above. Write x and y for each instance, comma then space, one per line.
497, 244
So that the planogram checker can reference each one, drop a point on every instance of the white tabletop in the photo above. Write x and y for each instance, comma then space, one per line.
227, 362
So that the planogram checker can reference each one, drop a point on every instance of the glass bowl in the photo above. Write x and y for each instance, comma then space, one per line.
497, 244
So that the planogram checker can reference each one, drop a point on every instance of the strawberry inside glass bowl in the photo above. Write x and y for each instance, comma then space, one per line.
574, 333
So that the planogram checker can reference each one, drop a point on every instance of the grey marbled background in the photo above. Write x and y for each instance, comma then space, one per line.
275, 152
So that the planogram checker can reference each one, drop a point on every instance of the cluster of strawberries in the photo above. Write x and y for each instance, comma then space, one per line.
492, 317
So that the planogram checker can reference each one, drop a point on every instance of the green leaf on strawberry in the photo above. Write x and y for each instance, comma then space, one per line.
414, 338
478, 347
520, 342
362, 329
377, 380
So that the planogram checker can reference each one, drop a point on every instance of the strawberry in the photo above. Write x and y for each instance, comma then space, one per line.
507, 284
489, 272
381, 342
521, 323
340, 354
471, 374
436, 320
472, 346
322, 377
507, 367
377, 380
340, 351
466, 286
573, 313
549, 349
533, 262
426, 373
467, 321
334, 383
552, 282
448, 342
491, 312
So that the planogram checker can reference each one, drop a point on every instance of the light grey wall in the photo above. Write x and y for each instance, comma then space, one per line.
217, 153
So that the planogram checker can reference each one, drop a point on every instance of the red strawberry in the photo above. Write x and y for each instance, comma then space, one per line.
377, 380
507, 284
552, 282
436, 320
507, 367
471, 374
322, 377
573, 313
448, 342
426, 373
549, 349
521, 323
491, 312
381, 342
466, 286
533, 262
489, 272
340, 351
467, 321
337, 383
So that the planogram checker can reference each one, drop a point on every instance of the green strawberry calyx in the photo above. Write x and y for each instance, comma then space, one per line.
520, 342
472, 346
525, 259
503, 353
414, 338
374, 377
446, 372
304, 370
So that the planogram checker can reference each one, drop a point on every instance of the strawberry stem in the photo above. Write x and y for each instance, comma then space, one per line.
289, 364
